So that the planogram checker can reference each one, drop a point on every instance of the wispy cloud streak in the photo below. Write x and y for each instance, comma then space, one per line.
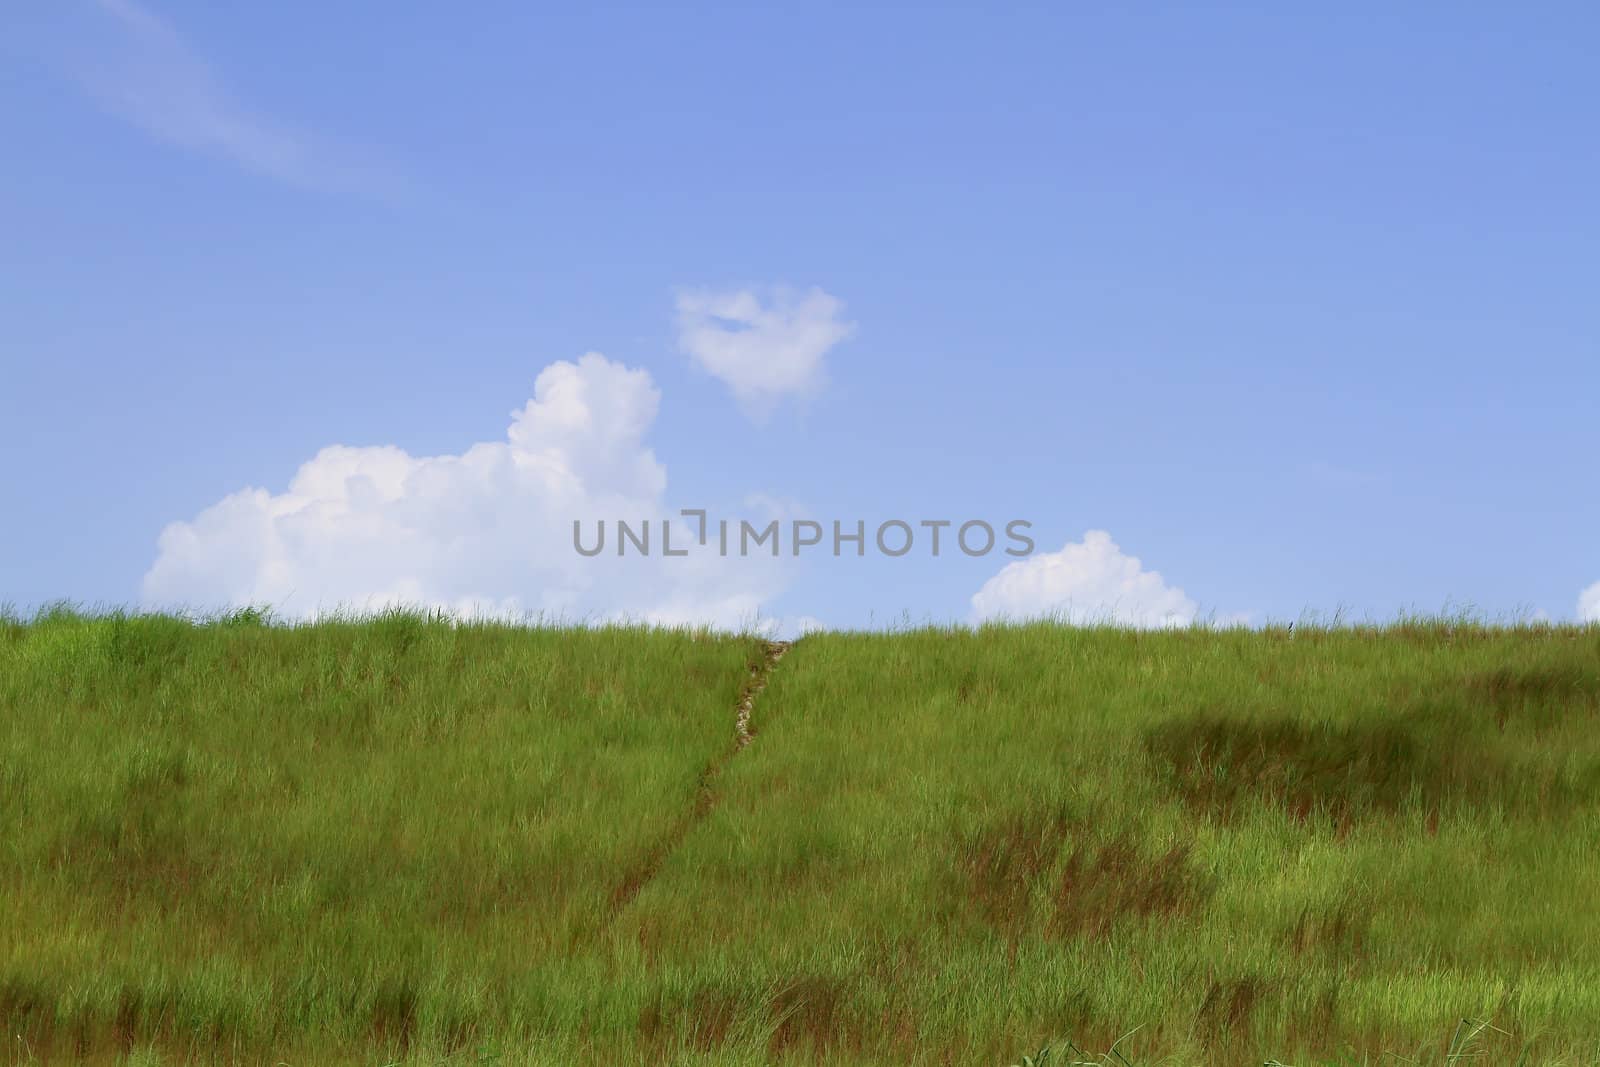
144, 71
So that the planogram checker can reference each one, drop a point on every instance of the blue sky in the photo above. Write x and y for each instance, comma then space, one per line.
1298, 308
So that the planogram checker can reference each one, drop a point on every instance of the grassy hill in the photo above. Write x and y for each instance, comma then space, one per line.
398, 840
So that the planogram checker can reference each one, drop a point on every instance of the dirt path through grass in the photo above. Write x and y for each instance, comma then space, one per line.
641, 874
758, 682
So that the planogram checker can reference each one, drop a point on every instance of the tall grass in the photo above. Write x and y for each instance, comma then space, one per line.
1235, 844
405, 839
342, 836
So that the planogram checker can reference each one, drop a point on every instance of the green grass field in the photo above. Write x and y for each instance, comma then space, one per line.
402, 840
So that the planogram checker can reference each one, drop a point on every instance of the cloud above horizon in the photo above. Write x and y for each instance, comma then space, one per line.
487, 531
140, 68
1087, 582
761, 350
1589, 604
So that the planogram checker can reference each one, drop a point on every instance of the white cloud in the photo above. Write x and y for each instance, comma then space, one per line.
485, 531
144, 71
1086, 582
761, 351
1589, 604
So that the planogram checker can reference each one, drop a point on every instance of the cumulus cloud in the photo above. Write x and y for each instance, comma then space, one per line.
763, 351
1589, 604
487, 531
1091, 581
